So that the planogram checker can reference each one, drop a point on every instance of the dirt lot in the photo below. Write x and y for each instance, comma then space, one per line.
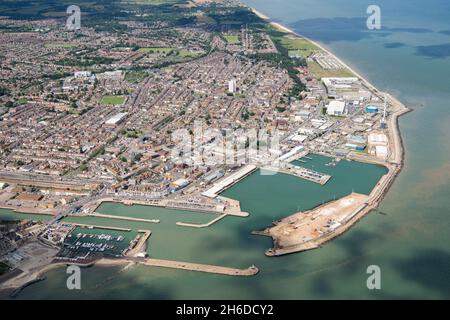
307, 226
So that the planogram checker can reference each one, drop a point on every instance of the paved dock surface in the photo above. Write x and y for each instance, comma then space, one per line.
250, 271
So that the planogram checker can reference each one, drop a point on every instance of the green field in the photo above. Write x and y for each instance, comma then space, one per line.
319, 72
113, 100
22, 101
186, 53
205, 19
231, 39
297, 46
135, 76
165, 50
131, 133
298, 53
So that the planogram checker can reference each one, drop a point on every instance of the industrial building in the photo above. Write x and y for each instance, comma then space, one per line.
355, 146
232, 87
371, 109
336, 108
212, 176
378, 144
82, 74
342, 83
178, 185
116, 119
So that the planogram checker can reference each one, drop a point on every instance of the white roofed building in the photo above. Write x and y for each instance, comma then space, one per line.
378, 144
336, 108
116, 119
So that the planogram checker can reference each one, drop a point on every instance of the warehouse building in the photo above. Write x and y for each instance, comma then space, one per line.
336, 108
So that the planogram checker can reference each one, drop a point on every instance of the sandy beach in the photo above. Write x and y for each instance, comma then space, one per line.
28, 277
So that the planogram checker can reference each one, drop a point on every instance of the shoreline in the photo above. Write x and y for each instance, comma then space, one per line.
320, 46
26, 279
394, 163
23, 280
377, 194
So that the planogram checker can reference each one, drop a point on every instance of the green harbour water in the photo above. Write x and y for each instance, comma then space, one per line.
228, 242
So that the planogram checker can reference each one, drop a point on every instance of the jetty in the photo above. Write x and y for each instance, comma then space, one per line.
229, 181
91, 226
140, 245
109, 216
250, 271
203, 225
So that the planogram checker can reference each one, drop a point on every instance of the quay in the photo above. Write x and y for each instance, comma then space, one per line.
250, 271
229, 181
300, 172
90, 226
295, 154
139, 247
166, 203
101, 215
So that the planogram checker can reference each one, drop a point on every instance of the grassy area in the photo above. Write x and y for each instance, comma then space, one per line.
179, 52
298, 46
21, 101
135, 76
186, 53
131, 133
205, 19
319, 72
232, 39
113, 100
156, 50
3, 268
301, 47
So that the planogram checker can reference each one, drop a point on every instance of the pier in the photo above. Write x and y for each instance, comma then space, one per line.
250, 271
90, 226
229, 181
204, 225
140, 244
109, 216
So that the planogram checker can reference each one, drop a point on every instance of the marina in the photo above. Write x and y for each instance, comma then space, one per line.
172, 243
86, 244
